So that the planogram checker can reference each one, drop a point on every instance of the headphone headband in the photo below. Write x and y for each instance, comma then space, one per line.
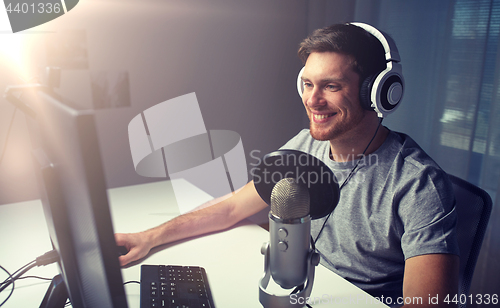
391, 51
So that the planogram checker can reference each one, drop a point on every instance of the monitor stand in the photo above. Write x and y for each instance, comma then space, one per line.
56, 295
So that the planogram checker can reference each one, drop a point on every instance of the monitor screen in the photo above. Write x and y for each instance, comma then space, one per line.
72, 186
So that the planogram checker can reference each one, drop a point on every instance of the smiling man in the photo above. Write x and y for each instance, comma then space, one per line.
393, 231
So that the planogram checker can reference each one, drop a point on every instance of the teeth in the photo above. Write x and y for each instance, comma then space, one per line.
321, 116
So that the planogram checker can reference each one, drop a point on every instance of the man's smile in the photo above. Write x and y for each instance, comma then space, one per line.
322, 117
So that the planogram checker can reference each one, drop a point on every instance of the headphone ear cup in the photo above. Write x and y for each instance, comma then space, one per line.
300, 83
391, 92
365, 92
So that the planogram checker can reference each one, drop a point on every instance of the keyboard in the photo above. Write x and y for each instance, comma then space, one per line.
174, 286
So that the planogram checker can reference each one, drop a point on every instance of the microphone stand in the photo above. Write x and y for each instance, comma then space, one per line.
283, 301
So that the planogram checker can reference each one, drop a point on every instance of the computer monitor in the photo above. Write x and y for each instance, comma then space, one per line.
72, 186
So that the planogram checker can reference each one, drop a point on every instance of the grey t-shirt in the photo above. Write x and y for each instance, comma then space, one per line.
397, 204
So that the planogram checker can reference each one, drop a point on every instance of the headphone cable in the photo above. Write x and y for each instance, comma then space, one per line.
347, 179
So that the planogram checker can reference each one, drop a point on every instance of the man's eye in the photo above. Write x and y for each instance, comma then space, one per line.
308, 85
332, 87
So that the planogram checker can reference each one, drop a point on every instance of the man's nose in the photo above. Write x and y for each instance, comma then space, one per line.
315, 99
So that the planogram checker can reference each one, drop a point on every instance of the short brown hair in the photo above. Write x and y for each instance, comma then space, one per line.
366, 49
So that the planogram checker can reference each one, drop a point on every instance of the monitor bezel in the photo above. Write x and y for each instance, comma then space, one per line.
70, 176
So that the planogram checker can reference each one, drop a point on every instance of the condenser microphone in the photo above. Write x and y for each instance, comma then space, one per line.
288, 258
290, 233
308, 191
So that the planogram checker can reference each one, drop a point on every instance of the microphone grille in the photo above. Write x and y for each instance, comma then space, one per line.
289, 199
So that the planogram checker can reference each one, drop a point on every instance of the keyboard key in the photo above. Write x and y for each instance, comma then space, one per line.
204, 303
175, 286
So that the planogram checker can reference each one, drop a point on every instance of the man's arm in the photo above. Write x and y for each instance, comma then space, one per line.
219, 216
429, 277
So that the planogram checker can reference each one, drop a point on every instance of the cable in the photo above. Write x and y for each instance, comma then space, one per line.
45, 259
313, 242
349, 176
35, 277
68, 303
132, 281
20, 269
15, 273
12, 290
6, 284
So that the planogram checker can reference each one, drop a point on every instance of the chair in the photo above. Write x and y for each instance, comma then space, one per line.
473, 210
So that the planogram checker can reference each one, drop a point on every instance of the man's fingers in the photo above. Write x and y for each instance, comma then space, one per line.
134, 254
120, 241
124, 260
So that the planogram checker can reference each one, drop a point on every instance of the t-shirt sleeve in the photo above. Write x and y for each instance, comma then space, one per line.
428, 215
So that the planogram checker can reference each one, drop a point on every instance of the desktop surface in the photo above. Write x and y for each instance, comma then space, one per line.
231, 258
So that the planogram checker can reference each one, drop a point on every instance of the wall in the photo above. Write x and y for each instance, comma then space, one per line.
239, 58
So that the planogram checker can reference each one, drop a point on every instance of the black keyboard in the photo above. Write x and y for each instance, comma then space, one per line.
173, 286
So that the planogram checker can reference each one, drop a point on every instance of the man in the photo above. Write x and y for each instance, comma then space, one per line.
392, 233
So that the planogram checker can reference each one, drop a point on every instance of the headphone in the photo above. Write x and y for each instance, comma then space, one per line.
382, 91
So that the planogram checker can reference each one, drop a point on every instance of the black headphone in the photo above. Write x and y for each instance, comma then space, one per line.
383, 91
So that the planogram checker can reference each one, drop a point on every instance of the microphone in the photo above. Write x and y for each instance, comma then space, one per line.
288, 256
299, 188
290, 233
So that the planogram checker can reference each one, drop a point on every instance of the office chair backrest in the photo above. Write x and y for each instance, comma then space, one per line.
473, 209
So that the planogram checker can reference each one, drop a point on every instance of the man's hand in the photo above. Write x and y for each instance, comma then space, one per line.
137, 244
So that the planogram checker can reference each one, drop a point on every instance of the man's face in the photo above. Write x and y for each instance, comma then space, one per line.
331, 96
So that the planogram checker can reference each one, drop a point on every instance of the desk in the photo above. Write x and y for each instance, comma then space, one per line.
231, 258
